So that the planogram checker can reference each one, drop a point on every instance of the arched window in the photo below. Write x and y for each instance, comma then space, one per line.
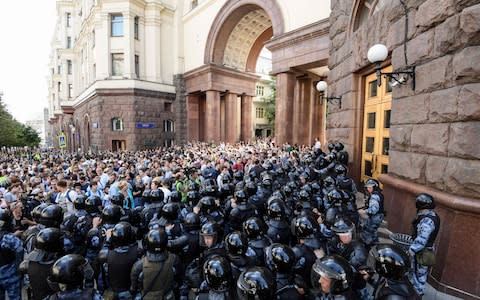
168, 126
117, 124
365, 9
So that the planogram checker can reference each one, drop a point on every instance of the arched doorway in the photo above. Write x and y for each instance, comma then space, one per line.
219, 93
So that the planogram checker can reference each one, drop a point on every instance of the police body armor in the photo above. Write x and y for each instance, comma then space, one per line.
157, 278
305, 259
279, 231
119, 267
38, 270
286, 289
433, 235
395, 290
259, 246
381, 209
238, 215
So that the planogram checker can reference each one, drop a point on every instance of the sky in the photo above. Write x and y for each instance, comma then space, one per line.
26, 29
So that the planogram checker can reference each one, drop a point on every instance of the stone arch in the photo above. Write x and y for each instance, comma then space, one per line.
362, 10
230, 15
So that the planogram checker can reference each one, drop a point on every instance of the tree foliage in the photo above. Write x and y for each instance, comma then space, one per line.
270, 100
14, 133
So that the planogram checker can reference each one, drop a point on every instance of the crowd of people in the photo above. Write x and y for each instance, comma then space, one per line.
201, 221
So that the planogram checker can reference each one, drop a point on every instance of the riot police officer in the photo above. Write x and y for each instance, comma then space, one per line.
67, 276
278, 228
242, 211
37, 264
256, 283
392, 265
187, 245
332, 276
373, 213
255, 230
425, 230
236, 245
11, 254
117, 262
281, 259
218, 280
154, 275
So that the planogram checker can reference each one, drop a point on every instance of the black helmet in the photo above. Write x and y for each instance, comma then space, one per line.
329, 182
240, 196
391, 261
217, 273
316, 187
211, 229
256, 283
37, 211
336, 268
156, 195
209, 189
287, 190
170, 211
117, 199
267, 181
339, 146
93, 204
79, 202
175, 197
236, 243
191, 222
335, 197
424, 201
341, 170
122, 235
342, 226
193, 197
156, 240
278, 194
254, 227
373, 183
304, 196
51, 216
250, 188
280, 258
5, 219
68, 272
49, 239
276, 209
330, 146
111, 214
207, 203
305, 227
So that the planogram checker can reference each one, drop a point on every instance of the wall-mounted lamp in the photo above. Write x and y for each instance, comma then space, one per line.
322, 87
377, 54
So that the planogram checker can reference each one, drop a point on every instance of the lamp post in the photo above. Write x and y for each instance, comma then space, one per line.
321, 88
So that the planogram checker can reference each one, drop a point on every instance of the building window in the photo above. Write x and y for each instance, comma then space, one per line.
59, 87
70, 90
117, 124
117, 25
365, 10
69, 42
117, 64
69, 19
93, 39
259, 112
137, 66
59, 69
260, 90
135, 27
94, 71
168, 126
194, 3
167, 106
69, 67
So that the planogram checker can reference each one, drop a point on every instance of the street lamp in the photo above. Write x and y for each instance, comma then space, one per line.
321, 88
376, 55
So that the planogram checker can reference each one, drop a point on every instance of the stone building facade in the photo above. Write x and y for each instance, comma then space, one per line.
433, 127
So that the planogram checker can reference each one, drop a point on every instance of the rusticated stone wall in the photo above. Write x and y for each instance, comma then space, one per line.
434, 128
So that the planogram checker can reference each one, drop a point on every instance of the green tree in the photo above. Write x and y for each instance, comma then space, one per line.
14, 133
270, 101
